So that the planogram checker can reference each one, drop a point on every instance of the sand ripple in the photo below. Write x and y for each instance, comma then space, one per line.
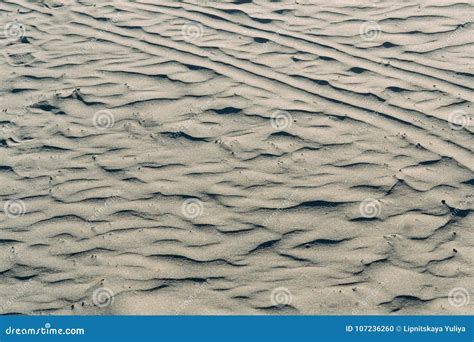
236, 157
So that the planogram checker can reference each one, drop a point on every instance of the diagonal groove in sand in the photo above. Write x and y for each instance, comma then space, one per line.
306, 43
264, 78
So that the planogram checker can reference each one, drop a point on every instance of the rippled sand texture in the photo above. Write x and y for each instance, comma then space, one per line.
257, 157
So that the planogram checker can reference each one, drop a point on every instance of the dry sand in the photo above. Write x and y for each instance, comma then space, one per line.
211, 157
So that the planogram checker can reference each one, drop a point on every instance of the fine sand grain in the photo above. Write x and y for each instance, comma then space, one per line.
236, 157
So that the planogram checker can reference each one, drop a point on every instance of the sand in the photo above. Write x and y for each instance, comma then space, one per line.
236, 157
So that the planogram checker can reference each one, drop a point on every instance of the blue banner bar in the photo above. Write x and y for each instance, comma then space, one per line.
237, 328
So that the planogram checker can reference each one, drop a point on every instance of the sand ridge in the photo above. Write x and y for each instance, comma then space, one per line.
236, 157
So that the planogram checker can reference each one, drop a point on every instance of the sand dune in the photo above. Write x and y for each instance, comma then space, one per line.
236, 157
